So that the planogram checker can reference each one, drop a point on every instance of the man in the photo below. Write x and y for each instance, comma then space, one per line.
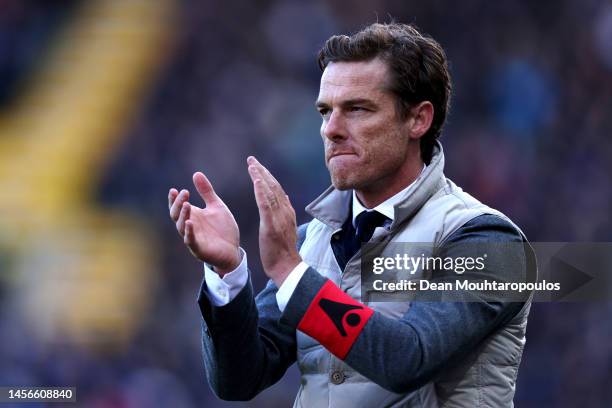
383, 100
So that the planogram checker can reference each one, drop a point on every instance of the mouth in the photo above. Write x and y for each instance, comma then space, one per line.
338, 154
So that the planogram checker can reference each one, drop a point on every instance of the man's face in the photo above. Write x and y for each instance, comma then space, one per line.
366, 142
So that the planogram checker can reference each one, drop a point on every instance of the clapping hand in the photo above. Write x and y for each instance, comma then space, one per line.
210, 233
277, 224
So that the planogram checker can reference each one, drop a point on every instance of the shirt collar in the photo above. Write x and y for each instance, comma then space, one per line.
387, 207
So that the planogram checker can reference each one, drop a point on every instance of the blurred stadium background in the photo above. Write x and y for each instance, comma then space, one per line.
105, 104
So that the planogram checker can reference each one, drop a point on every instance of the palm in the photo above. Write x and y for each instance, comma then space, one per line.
216, 234
210, 233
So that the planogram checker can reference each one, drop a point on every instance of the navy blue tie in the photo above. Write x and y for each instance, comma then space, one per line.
348, 241
366, 223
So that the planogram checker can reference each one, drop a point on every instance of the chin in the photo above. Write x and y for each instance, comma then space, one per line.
342, 183
345, 174
341, 186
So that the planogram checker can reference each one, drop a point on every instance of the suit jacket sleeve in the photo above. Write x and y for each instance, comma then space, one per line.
245, 345
403, 354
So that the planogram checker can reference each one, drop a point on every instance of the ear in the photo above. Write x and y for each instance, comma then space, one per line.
420, 118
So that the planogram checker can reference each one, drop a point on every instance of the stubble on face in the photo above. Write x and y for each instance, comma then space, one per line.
364, 125
376, 159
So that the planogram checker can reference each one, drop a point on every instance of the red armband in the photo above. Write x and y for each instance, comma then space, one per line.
335, 319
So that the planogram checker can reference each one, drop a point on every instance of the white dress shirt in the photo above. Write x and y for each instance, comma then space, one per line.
223, 290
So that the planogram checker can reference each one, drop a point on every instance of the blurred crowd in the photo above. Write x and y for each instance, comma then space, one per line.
529, 134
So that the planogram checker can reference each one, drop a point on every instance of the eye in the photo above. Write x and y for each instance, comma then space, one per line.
324, 112
357, 109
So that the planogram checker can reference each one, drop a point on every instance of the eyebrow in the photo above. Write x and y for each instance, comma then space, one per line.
347, 103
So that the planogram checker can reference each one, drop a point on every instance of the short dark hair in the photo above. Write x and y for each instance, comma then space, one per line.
417, 63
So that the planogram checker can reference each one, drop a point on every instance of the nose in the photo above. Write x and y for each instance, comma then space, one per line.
333, 128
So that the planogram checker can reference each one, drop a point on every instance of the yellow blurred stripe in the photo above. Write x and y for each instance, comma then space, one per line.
54, 145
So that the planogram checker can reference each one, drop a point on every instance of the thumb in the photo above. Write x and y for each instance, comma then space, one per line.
205, 189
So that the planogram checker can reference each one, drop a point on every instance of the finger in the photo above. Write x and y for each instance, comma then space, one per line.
265, 176
184, 216
261, 193
268, 191
171, 197
268, 178
265, 170
176, 207
205, 188
189, 237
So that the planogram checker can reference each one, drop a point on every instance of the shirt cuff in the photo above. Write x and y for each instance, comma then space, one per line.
223, 290
291, 281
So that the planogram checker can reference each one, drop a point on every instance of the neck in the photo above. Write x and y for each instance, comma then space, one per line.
384, 188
